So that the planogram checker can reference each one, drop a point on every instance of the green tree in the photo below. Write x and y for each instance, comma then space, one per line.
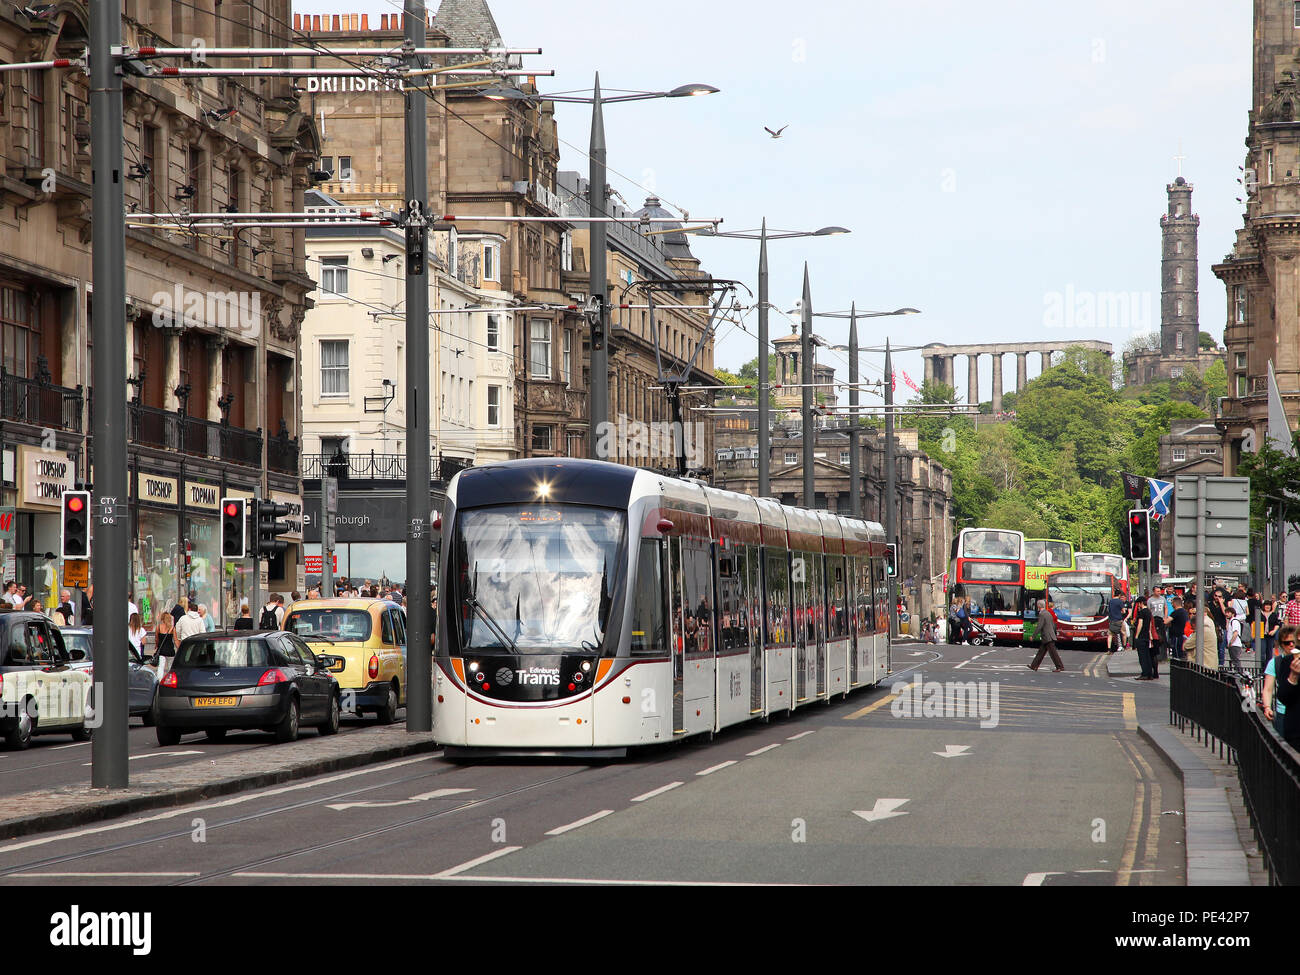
1206, 341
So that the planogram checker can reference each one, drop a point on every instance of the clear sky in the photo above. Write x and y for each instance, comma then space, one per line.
992, 159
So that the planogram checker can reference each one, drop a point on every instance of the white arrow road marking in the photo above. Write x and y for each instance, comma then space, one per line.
151, 755
953, 751
389, 803
884, 810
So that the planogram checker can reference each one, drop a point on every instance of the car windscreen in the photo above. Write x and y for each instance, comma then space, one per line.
221, 653
350, 625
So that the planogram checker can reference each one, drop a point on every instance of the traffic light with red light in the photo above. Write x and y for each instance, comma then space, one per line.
234, 528
1139, 534
76, 525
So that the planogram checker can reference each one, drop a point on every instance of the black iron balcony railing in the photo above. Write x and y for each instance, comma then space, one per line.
374, 467
282, 454
39, 403
154, 427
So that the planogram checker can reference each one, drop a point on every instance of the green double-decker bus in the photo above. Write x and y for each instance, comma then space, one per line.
1043, 556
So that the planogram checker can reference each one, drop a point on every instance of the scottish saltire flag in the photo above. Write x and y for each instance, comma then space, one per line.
1160, 492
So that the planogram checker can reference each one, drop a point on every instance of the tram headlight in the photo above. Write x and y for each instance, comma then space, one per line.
586, 665
473, 668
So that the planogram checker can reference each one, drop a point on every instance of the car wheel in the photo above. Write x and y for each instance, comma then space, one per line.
287, 730
21, 735
388, 713
147, 718
215, 734
167, 736
331, 726
83, 734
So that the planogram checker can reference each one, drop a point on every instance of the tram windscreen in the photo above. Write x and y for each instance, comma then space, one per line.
536, 578
990, 544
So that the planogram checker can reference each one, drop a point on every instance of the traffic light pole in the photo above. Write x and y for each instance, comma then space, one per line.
255, 607
419, 611
111, 569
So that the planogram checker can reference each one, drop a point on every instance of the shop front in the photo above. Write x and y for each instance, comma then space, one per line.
35, 480
370, 536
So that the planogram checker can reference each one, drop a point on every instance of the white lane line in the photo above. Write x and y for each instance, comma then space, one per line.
656, 792
765, 748
714, 768
75, 744
1036, 879
581, 822
110, 873
470, 864
152, 755
224, 803
802, 734
479, 878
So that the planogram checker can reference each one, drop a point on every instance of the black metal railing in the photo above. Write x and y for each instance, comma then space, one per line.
282, 454
1223, 711
374, 467
41, 404
155, 427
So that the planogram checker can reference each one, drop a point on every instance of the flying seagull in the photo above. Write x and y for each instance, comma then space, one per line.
777, 133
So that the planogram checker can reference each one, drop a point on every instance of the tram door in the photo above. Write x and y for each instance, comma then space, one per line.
854, 618
754, 622
803, 625
677, 613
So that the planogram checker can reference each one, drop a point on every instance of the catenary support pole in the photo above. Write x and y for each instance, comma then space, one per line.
764, 379
809, 428
855, 458
891, 519
419, 612
598, 394
110, 567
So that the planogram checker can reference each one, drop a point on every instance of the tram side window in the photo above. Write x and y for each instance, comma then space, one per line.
648, 608
697, 571
754, 596
816, 599
733, 633
777, 597
837, 624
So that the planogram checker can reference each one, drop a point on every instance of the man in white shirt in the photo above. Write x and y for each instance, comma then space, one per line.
1233, 635
12, 596
191, 624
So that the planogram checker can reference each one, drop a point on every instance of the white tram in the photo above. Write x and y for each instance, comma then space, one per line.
586, 607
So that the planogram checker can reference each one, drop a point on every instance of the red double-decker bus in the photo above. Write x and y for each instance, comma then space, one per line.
1080, 603
995, 585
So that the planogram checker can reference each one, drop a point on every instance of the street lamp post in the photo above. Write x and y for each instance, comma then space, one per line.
763, 235
805, 354
598, 287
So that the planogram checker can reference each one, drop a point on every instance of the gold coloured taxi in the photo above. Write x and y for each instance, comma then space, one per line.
370, 637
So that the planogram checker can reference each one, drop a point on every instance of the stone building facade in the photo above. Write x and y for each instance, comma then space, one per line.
213, 316
1261, 274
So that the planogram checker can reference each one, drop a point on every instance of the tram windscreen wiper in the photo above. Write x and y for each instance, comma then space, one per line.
472, 601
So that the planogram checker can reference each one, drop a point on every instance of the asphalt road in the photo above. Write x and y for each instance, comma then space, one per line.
1058, 789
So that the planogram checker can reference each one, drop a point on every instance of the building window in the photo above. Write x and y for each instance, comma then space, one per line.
494, 406
334, 275
1179, 454
491, 262
1178, 307
792, 456
1239, 304
844, 457
566, 251
21, 342
345, 174
1242, 388
494, 333
543, 438
1178, 210
540, 349
1241, 360
1175, 373
567, 360
148, 157
1295, 13
453, 251
1209, 451
327, 165
36, 118
334, 367
1178, 336
1268, 156
1178, 247
1178, 275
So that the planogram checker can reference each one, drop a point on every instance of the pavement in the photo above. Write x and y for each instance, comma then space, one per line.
1216, 853
76, 805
